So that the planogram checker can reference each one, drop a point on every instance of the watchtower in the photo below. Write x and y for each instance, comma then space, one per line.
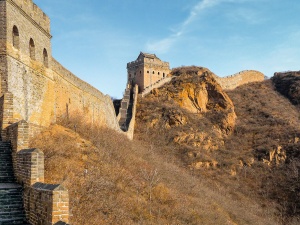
25, 40
146, 70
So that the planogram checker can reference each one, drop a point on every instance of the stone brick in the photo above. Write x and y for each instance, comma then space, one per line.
146, 70
43, 92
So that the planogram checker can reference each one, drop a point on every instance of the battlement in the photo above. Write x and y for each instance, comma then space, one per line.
33, 12
147, 61
146, 70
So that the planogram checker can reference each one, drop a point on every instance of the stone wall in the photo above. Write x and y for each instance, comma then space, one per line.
6, 110
46, 204
239, 79
33, 12
43, 203
146, 70
130, 130
44, 92
72, 95
30, 166
157, 84
27, 29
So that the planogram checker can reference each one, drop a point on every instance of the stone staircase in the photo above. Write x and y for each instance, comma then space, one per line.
11, 199
126, 109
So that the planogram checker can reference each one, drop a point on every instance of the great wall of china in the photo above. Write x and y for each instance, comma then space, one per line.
37, 91
238, 79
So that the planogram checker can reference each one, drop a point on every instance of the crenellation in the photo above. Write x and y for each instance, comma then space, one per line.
34, 12
43, 89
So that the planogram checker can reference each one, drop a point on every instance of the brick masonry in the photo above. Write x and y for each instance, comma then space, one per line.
44, 203
146, 70
36, 91
43, 89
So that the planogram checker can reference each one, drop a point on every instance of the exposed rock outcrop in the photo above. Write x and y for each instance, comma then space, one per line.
191, 111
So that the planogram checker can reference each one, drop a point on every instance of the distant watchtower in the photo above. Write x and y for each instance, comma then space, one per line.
146, 70
25, 40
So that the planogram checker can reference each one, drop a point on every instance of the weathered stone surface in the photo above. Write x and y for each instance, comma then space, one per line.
43, 90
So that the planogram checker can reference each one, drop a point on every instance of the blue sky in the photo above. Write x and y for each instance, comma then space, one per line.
95, 39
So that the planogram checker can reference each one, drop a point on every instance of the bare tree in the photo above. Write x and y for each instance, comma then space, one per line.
151, 177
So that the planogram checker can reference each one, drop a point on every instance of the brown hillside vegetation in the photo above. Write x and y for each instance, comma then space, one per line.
288, 84
256, 152
114, 181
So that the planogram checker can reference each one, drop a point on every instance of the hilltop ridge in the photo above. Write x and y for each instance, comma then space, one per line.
257, 135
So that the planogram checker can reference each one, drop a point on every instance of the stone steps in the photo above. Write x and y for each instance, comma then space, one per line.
11, 194
6, 166
125, 121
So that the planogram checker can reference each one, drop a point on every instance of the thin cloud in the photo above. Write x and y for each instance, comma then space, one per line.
247, 15
163, 45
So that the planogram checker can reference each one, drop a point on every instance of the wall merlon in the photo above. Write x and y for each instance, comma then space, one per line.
29, 8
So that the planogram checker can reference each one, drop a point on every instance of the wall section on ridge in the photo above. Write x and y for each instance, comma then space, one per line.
238, 79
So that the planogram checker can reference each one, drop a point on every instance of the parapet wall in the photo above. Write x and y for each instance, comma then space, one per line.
44, 203
73, 95
238, 79
131, 126
157, 84
30, 9
43, 95
43, 90
73, 79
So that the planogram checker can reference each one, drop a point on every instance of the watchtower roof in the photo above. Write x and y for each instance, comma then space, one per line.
147, 55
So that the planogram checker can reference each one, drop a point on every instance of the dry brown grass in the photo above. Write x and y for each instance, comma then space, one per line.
265, 121
114, 181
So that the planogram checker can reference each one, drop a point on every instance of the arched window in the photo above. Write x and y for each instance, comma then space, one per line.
153, 72
158, 73
164, 74
16, 38
45, 57
31, 49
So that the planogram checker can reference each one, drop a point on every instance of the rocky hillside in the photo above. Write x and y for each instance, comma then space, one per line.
200, 155
288, 84
246, 138
191, 111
